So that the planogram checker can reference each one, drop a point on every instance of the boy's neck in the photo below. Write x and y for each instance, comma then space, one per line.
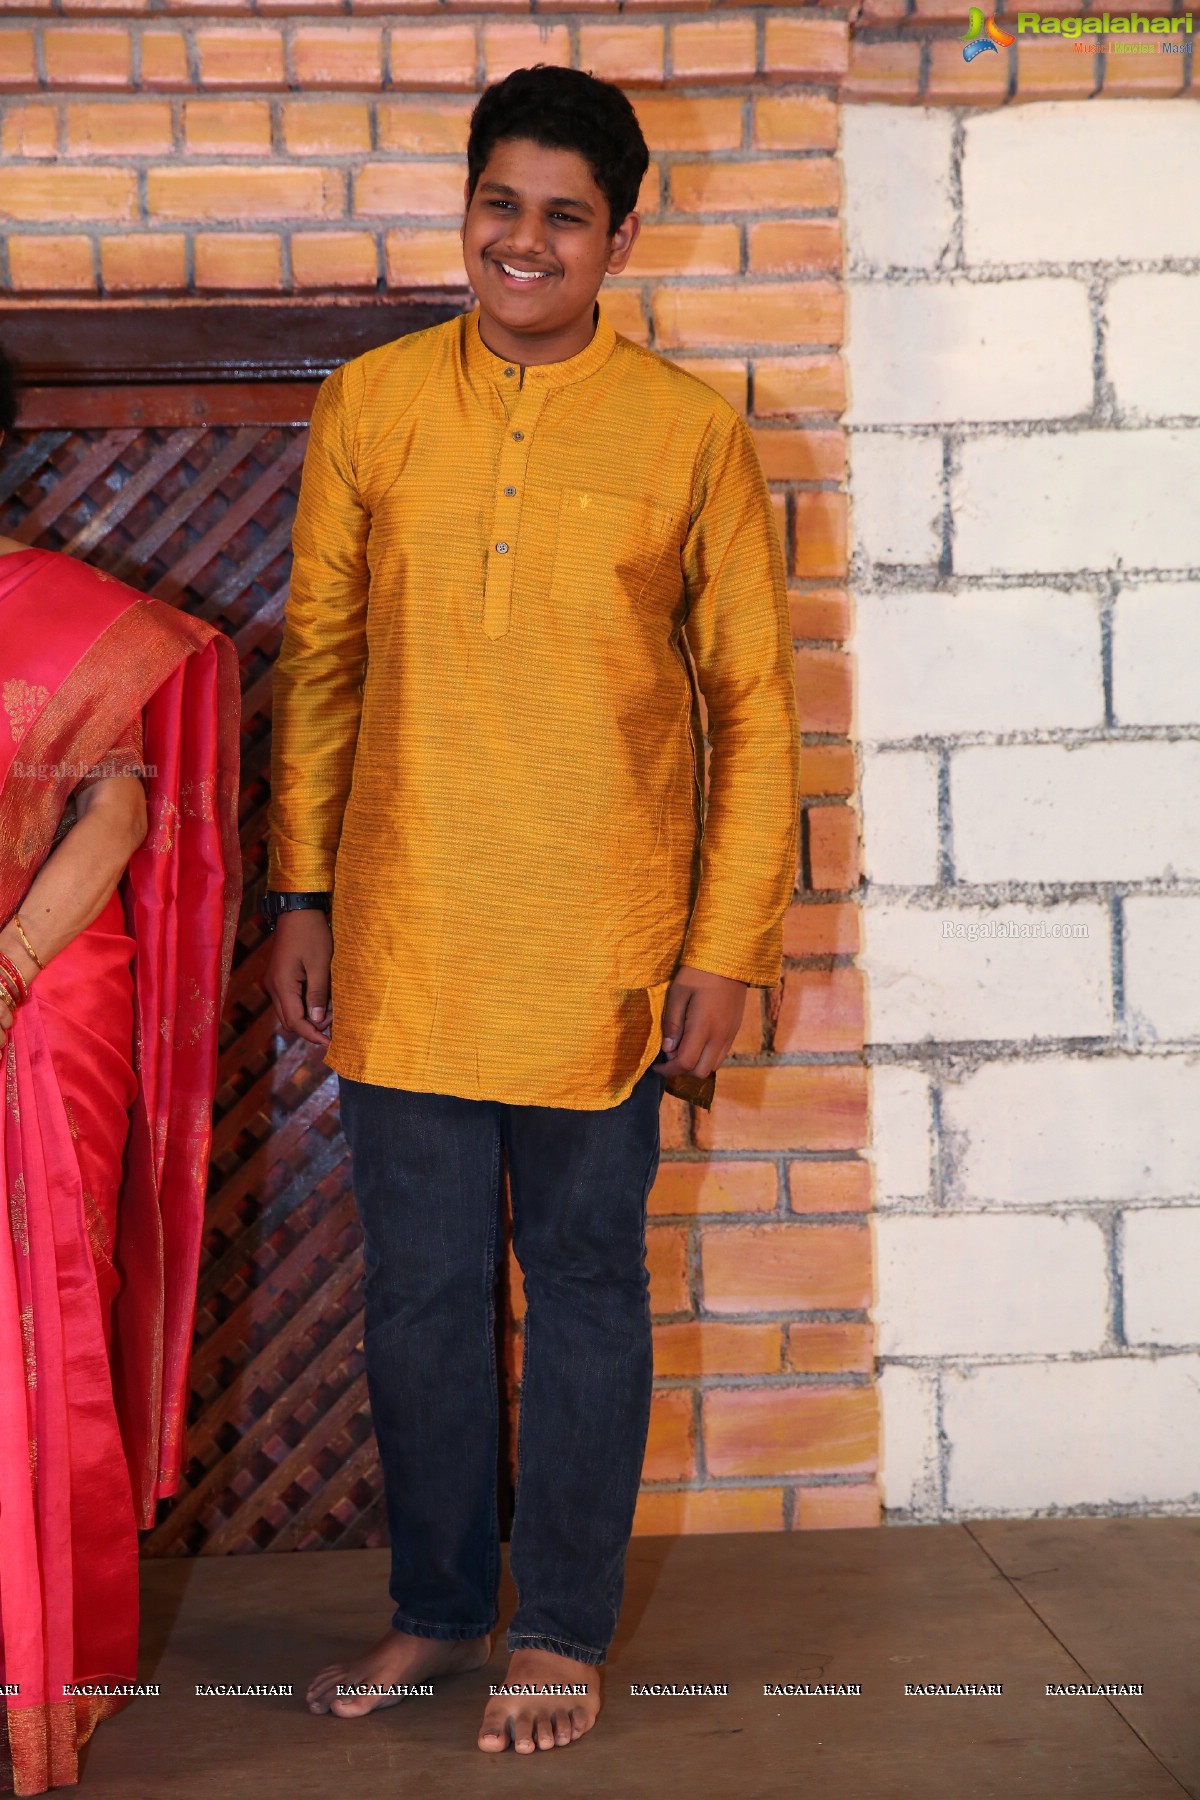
529, 348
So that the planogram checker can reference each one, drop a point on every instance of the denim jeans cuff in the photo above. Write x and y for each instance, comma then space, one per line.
448, 1633
518, 1640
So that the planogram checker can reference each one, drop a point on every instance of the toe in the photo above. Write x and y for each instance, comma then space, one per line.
562, 1728
545, 1734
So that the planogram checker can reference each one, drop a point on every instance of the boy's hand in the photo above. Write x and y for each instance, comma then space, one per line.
297, 977
701, 1018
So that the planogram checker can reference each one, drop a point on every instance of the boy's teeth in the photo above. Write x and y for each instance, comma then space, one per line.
522, 274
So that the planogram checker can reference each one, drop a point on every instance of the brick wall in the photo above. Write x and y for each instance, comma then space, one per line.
1025, 428
161, 149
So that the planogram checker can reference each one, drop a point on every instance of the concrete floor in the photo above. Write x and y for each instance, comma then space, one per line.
1022, 1603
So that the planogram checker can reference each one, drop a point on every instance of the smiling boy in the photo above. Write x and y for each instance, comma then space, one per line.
487, 749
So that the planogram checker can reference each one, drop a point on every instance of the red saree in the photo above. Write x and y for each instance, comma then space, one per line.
109, 1074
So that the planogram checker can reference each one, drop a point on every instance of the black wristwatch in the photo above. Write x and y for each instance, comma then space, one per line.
274, 903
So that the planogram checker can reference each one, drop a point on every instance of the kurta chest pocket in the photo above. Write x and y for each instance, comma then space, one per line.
614, 551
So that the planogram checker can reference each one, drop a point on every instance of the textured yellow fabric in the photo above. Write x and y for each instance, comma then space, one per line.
487, 740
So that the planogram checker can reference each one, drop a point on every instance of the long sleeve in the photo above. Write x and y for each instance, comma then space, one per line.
740, 638
319, 675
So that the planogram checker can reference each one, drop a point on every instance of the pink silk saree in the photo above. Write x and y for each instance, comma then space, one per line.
105, 1133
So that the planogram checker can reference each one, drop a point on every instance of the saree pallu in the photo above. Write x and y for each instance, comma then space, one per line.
109, 1074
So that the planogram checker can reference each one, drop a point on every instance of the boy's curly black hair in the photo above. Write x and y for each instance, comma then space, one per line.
8, 392
564, 109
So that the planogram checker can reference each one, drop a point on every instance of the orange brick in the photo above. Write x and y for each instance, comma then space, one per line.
846, 1507
952, 82
1130, 75
822, 1011
29, 131
823, 614
424, 259
233, 56
391, 190
802, 454
227, 127
791, 1107
725, 375
335, 259
789, 386
691, 1347
829, 928
808, 312
685, 250
821, 1348
51, 265
164, 60
119, 128
689, 1512
674, 1122
337, 56
682, 122
887, 71
805, 47
761, 185
231, 260
801, 1430
824, 690
425, 55
254, 193
830, 1186
518, 45
795, 122
18, 65
833, 848
791, 246
669, 1452
649, 198
714, 1187
624, 309
327, 127
87, 56
749, 1038
666, 1260
621, 52
146, 262
819, 532
420, 129
41, 195
1054, 72
784, 1268
827, 769
779, 508
714, 49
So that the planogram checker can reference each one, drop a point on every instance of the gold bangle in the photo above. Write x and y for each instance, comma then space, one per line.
12, 998
21, 933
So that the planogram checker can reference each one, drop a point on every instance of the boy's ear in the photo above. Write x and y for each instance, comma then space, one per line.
621, 243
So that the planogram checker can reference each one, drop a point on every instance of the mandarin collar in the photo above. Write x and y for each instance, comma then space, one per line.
484, 362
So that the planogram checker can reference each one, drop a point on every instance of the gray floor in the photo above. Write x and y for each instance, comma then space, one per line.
1025, 1604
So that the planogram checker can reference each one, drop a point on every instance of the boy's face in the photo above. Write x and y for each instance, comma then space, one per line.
536, 239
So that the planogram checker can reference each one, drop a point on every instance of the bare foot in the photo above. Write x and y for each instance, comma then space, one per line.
397, 1660
546, 1719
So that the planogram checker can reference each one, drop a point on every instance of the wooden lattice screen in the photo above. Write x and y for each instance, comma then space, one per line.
165, 445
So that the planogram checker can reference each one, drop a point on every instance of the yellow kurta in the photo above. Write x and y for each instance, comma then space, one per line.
487, 740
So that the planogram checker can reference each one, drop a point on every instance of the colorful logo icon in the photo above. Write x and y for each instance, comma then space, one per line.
984, 34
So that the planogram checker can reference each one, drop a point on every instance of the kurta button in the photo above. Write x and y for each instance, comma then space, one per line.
510, 492
509, 371
518, 435
502, 548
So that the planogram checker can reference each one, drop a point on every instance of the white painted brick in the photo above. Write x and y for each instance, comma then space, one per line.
1012, 659
1112, 1431
909, 1448
1150, 349
900, 817
1162, 966
1089, 175
1095, 812
1075, 1129
901, 1133
1156, 652
1160, 1260
1071, 500
899, 211
984, 1284
922, 352
896, 497
924, 984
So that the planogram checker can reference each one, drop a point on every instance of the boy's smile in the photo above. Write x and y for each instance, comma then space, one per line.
537, 245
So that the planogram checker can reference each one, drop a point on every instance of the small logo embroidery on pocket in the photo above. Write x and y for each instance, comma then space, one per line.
585, 499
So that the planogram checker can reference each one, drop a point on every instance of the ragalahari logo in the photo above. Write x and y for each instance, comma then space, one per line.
984, 34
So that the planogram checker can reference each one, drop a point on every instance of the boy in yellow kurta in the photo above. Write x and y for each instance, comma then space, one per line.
488, 769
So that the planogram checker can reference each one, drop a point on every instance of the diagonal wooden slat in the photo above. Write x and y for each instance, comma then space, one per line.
240, 513
276, 544
17, 468
186, 503
90, 467
127, 497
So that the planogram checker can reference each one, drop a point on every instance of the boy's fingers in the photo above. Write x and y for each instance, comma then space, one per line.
674, 1014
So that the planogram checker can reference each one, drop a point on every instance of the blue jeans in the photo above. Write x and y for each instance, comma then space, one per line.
426, 1171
